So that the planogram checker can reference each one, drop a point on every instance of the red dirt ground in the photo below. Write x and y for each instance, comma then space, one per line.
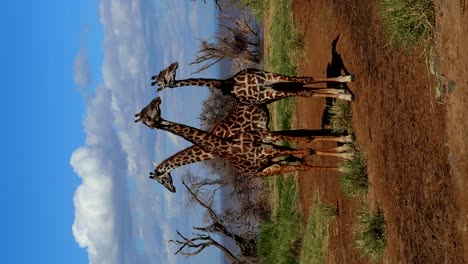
416, 145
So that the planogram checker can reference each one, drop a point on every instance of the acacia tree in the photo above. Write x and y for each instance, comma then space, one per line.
237, 38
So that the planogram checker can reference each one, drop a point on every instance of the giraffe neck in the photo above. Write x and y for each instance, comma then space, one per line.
211, 83
187, 156
205, 140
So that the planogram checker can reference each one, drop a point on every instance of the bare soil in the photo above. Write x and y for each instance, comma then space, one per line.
415, 142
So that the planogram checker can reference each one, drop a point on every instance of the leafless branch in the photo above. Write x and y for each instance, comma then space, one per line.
235, 39
198, 244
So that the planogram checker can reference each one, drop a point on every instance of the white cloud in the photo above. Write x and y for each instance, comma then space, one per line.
174, 139
118, 153
82, 69
193, 21
169, 234
99, 164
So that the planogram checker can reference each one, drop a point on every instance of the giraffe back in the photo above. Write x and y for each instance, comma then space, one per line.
242, 117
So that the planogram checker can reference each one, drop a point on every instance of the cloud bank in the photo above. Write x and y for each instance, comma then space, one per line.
120, 216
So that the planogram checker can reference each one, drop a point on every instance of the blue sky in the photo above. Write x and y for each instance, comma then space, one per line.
75, 188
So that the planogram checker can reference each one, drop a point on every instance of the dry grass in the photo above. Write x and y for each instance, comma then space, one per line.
370, 233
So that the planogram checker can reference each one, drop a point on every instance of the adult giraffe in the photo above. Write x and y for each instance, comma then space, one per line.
251, 153
253, 86
242, 117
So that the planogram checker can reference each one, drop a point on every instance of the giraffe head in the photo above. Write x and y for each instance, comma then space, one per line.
163, 178
165, 77
150, 115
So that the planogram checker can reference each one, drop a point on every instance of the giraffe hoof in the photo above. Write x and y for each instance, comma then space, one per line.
351, 137
153, 83
347, 156
346, 78
347, 97
153, 77
352, 77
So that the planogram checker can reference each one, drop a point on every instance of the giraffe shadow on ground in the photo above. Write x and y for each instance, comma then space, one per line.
334, 68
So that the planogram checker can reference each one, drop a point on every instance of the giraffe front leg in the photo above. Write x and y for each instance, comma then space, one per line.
329, 92
342, 152
276, 169
338, 94
275, 78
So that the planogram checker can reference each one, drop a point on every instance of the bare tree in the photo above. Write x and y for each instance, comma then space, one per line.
226, 225
192, 246
215, 108
204, 187
237, 39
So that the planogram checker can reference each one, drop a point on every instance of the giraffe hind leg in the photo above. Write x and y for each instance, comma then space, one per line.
340, 79
289, 159
276, 169
271, 137
343, 139
340, 149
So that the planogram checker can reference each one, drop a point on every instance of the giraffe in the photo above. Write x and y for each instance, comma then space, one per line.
251, 153
254, 86
242, 117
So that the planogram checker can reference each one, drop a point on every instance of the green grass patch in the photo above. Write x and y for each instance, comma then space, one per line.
282, 44
256, 7
314, 240
340, 116
354, 178
370, 233
280, 237
408, 22
285, 44
284, 111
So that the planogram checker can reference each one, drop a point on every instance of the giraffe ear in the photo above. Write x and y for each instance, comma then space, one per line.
155, 163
